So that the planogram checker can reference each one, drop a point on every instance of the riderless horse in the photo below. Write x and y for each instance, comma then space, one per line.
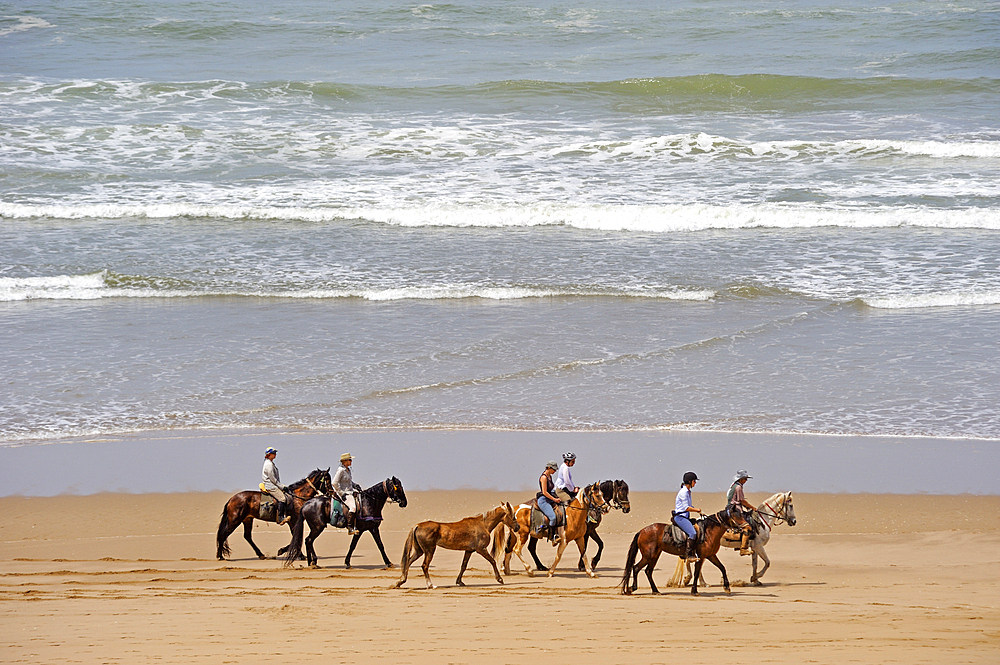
589, 501
653, 540
316, 512
243, 507
471, 534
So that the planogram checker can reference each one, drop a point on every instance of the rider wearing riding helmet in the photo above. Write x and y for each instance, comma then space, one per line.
272, 485
738, 504
682, 511
565, 489
546, 499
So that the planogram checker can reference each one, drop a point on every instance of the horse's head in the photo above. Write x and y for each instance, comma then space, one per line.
620, 496
731, 518
593, 497
323, 481
509, 518
394, 490
788, 510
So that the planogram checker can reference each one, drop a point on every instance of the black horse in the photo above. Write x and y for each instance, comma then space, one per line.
243, 507
615, 495
317, 513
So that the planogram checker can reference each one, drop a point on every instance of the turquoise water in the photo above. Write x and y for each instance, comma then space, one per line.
694, 216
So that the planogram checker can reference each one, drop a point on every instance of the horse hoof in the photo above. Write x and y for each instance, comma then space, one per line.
592, 575
729, 592
694, 592
390, 566
758, 583
551, 573
262, 557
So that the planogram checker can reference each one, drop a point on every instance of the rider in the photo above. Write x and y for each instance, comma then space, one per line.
737, 503
272, 485
565, 489
344, 485
546, 499
682, 510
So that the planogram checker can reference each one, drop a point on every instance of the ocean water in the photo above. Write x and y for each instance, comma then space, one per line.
514, 216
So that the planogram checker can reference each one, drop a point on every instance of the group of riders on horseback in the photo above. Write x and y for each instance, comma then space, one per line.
344, 489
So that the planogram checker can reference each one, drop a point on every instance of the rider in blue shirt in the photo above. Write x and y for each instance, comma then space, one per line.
682, 513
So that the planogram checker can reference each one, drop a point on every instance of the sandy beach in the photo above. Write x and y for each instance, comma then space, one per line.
132, 578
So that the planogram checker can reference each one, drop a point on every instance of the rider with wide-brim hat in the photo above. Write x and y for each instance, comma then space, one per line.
682, 514
272, 485
343, 484
738, 503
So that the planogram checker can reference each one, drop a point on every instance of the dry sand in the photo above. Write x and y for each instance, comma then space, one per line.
122, 578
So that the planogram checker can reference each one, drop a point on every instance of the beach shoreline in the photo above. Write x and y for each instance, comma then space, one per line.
115, 577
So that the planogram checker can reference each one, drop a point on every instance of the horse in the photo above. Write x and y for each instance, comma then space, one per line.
615, 495
655, 539
316, 512
243, 507
589, 501
471, 534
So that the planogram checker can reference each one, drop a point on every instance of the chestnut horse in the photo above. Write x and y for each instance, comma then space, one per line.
589, 500
243, 507
471, 534
653, 540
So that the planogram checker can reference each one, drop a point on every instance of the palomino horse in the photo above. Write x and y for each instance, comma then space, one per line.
243, 507
655, 539
316, 512
615, 495
471, 534
589, 500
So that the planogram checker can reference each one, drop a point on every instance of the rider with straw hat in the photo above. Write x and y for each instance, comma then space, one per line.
343, 484
738, 504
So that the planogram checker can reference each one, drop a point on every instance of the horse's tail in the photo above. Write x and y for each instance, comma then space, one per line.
499, 542
222, 536
408, 547
633, 551
294, 547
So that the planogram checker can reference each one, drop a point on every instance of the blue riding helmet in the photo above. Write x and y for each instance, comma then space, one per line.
271, 450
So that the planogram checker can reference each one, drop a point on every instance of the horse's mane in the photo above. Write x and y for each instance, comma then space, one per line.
299, 483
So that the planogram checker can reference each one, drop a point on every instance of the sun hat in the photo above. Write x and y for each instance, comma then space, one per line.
551, 465
345, 457
741, 474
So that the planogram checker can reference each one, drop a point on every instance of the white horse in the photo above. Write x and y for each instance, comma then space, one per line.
772, 512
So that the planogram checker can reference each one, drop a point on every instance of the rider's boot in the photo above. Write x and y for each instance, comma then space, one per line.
692, 550
745, 544
560, 534
281, 517
352, 530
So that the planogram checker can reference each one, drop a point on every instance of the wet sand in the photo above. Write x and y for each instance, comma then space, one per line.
132, 578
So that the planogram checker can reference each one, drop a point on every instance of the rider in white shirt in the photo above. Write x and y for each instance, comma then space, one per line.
272, 485
343, 483
565, 489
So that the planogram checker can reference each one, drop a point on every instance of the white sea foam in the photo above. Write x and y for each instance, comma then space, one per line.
95, 286
958, 299
23, 23
634, 218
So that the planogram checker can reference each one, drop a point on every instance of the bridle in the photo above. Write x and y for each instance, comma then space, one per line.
388, 494
778, 517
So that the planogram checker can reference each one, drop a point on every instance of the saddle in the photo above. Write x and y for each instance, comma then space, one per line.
337, 518
268, 509
679, 538
540, 521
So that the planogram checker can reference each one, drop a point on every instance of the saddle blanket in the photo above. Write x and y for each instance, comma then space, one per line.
337, 518
680, 538
538, 519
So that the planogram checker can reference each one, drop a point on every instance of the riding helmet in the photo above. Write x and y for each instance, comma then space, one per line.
690, 476
270, 450
569, 457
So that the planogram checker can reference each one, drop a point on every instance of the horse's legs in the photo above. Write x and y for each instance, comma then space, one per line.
314, 531
532, 544
496, 571
759, 549
600, 548
408, 558
559, 553
223, 536
718, 564
697, 573
580, 542
649, 573
461, 571
291, 530
247, 529
518, 546
586, 538
381, 548
350, 550
426, 566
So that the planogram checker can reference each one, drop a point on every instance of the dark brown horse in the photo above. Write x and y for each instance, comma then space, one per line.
244, 507
615, 495
653, 540
316, 513
471, 534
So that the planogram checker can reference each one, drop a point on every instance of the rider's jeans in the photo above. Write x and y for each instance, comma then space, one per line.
546, 507
685, 524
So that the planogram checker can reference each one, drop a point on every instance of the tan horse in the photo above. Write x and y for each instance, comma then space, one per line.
471, 534
589, 498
